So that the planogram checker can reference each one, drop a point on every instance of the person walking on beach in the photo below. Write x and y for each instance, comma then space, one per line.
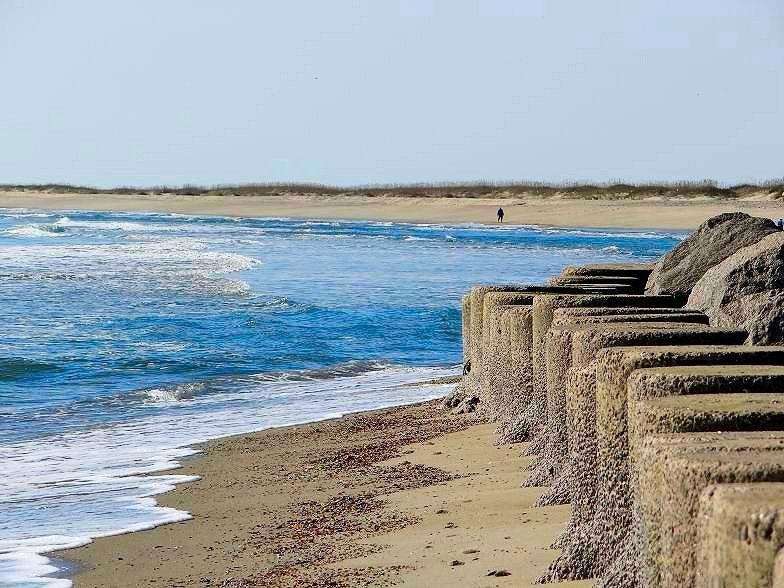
780, 224
500, 215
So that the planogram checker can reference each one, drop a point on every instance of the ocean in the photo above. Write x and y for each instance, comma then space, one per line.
126, 338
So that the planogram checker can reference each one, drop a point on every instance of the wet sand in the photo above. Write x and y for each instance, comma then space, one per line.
404, 496
664, 213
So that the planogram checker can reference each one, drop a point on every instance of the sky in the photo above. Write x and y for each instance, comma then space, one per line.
347, 92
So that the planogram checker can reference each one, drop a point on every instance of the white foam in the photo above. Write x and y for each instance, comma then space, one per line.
22, 568
173, 394
179, 263
36, 231
112, 225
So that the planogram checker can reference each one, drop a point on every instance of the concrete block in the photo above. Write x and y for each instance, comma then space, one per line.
674, 471
558, 363
544, 307
610, 525
741, 531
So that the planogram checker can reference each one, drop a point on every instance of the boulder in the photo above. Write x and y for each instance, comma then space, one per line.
715, 240
746, 291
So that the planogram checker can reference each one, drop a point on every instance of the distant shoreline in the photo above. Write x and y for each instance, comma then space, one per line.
675, 213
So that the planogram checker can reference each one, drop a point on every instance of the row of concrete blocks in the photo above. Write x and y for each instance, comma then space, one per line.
666, 435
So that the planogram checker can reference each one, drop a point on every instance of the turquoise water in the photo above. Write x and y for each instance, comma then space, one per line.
127, 337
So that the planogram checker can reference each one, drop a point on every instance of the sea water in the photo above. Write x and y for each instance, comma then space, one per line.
126, 338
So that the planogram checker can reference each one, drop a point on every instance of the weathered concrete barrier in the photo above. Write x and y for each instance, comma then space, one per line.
741, 531
634, 284
600, 378
586, 341
476, 305
581, 316
693, 399
532, 420
517, 327
616, 438
577, 480
640, 271
595, 537
465, 331
493, 375
741, 535
558, 363
491, 362
675, 470
465, 397
488, 362
700, 393
778, 570
473, 315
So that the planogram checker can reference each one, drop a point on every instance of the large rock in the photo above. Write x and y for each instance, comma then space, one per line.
746, 291
714, 240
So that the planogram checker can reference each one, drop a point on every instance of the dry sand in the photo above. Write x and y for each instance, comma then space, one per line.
392, 497
665, 213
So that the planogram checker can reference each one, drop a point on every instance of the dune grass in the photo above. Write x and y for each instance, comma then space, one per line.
478, 189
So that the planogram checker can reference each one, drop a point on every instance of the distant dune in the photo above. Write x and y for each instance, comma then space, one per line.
664, 206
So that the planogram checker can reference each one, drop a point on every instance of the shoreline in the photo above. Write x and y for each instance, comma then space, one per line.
370, 484
654, 214
55, 563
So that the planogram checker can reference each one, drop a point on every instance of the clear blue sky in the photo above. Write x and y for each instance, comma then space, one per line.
146, 92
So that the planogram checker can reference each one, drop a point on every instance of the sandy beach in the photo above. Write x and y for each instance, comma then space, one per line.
654, 213
404, 496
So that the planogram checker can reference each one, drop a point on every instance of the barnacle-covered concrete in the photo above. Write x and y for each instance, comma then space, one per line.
533, 419
558, 363
675, 469
596, 536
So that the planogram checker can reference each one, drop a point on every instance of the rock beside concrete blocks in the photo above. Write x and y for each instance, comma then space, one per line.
741, 531
678, 271
674, 471
746, 290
